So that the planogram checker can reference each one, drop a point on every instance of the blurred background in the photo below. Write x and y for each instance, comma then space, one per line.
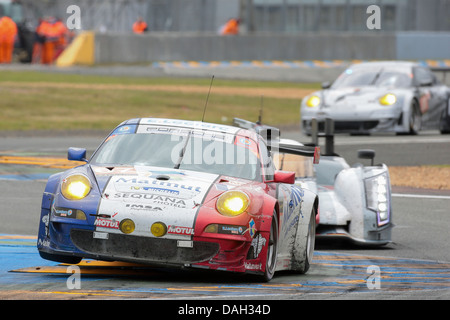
280, 16
267, 29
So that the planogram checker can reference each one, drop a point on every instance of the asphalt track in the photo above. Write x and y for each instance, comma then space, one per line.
415, 266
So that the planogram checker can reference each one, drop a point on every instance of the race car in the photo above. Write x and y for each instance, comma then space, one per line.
355, 201
388, 96
169, 192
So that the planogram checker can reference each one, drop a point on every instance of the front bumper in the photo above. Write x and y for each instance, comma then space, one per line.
379, 237
228, 253
356, 117
142, 249
356, 126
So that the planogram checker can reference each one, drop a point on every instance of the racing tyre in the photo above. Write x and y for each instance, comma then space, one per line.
415, 119
444, 125
304, 247
271, 261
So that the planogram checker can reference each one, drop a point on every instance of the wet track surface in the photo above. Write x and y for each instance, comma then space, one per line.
415, 266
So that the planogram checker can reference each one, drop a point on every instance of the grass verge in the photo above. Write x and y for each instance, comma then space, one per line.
53, 101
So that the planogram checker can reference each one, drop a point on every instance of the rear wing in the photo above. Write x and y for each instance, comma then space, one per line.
306, 151
272, 137
444, 71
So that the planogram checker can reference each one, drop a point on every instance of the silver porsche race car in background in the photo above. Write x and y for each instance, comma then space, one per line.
389, 96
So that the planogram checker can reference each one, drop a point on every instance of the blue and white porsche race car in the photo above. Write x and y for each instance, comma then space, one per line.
180, 193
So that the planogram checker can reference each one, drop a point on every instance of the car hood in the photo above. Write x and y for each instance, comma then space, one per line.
148, 195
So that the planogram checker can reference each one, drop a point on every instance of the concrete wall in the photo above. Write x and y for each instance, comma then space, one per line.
129, 48
423, 45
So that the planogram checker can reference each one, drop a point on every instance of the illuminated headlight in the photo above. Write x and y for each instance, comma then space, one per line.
377, 197
232, 203
388, 99
75, 187
313, 101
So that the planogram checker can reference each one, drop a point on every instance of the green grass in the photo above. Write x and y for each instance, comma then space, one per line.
27, 103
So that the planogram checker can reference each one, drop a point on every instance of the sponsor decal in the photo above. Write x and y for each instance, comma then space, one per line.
156, 190
296, 200
189, 124
106, 223
228, 229
66, 212
157, 186
258, 243
142, 207
180, 230
157, 199
125, 129
247, 143
252, 228
62, 212
252, 266
43, 243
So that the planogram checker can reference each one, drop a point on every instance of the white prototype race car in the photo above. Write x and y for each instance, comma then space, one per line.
354, 201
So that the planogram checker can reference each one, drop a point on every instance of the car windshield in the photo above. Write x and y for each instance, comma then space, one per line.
381, 77
195, 150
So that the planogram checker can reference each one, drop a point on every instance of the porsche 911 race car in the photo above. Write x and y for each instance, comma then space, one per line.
180, 193
390, 96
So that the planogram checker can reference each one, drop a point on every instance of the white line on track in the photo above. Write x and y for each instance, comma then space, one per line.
422, 196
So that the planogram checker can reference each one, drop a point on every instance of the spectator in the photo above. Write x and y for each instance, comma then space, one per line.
51, 32
39, 40
8, 33
62, 33
140, 26
231, 27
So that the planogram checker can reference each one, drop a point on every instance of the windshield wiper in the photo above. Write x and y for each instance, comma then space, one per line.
182, 152
376, 77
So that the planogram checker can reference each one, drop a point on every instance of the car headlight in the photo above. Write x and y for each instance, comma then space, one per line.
377, 197
127, 226
388, 99
313, 101
75, 187
232, 203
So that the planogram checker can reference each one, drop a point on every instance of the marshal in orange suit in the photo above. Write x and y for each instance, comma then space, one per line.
8, 32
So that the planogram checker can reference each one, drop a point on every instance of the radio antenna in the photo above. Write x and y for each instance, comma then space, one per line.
207, 98
261, 110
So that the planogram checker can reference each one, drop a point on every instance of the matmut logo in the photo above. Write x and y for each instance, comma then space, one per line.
180, 230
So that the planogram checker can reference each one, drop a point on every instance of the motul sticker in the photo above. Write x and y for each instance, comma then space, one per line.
106, 223
180, 230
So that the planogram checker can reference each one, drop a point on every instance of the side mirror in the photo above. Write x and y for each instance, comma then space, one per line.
284, 177
366, 154
77, 154
326, 85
